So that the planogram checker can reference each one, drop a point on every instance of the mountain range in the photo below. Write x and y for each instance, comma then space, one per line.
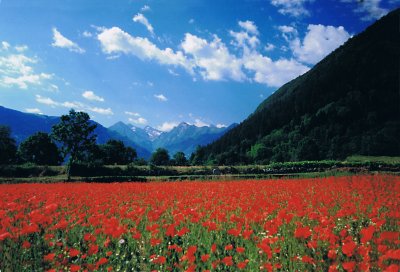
184, 137
349, 103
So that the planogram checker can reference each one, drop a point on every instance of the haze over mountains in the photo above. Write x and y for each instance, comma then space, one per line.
349, 103
184, 137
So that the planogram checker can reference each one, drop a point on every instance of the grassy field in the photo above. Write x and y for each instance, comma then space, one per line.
383, 159
29, 173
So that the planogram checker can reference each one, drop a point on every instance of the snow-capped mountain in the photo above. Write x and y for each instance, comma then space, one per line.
184, 137
151, 132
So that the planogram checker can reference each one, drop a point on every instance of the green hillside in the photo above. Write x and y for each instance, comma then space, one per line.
347, 104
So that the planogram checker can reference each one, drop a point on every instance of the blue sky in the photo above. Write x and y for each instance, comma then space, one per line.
162, 62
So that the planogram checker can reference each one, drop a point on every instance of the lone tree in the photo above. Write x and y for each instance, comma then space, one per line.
8, 148
75, 133
160, 157
39, 149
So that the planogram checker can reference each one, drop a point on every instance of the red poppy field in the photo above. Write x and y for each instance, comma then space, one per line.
323, 224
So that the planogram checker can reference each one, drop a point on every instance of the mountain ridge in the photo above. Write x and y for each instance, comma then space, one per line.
145, 140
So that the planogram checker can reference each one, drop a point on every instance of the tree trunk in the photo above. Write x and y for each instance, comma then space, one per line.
69, 166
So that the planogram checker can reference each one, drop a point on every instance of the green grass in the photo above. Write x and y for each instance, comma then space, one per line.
383, 159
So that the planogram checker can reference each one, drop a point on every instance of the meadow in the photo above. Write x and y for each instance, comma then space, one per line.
347, 223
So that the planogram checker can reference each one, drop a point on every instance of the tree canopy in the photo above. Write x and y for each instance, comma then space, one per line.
39, 149
76, 135
115, 152
160, 157
8, 147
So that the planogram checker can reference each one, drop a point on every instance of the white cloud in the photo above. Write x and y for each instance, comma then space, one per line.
200, 123
273, 73
90, 95
87, 34
17, 70
46, 100
145, 8
213, 58
114, 41
221, 125
60, 41
138, 121
132, 113
287, 29
21, 48
140, 18
5, 45
172, 72
167, 126
244, 39
295, 8
318, 42
102, 111
76, 105
269, 47
370, 9
33, 110
161, 97
249, 26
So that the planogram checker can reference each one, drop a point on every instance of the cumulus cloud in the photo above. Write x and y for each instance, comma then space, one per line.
116, 41
60, 41
249, 26
167, 126
16, 69
33, 110
244, 39
90, 95
138, 121
295, 8
368, 9
140, 18
75, 104
220, 125
318, 42
161, 97
213, 59
273, 73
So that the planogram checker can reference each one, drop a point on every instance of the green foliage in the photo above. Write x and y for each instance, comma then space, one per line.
160, 157
39, 149
115, 152
75, 133
347, 104
29, 170
180, 159
8, 148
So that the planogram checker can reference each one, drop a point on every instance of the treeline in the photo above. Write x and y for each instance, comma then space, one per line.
73, 142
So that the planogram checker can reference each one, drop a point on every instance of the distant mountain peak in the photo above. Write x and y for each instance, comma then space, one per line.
152, 132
